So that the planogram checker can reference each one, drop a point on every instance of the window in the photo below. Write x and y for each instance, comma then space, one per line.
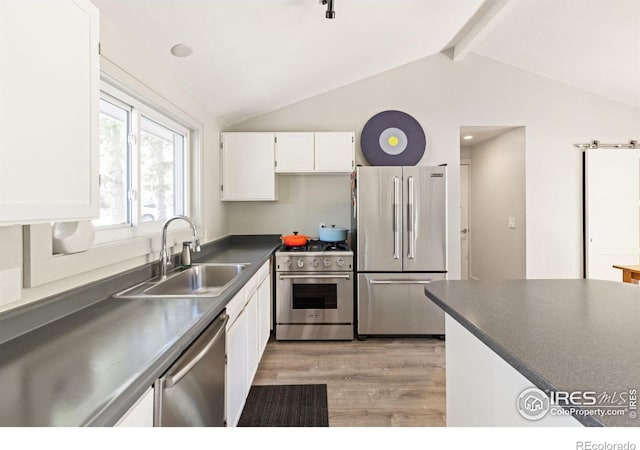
143, 167
114, 168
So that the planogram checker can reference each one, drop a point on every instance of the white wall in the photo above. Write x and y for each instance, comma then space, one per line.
442, 96
497, 192
303, 203
128, 63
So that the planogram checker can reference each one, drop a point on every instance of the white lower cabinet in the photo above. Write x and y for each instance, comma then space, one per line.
140, 414
264, 314
253, 356
236, 382
245, 336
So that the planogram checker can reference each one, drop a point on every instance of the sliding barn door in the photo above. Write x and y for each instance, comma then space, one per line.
612, 211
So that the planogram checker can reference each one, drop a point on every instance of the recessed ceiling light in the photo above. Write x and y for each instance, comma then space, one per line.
181, 50
467, 137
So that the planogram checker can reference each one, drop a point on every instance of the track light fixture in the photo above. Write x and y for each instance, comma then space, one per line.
330, 14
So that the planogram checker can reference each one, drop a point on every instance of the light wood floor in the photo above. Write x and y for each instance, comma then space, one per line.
380, 382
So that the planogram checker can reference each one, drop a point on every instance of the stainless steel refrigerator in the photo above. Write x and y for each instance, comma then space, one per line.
400, 235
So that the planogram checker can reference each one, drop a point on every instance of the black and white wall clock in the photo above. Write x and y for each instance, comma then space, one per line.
393, 138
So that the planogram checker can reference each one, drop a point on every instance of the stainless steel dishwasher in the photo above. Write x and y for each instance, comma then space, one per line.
191, 392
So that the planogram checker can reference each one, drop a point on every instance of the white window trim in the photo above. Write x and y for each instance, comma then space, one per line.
41, 266
141, 109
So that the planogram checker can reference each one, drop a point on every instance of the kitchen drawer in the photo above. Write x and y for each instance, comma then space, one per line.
234, 307
251, 286
263, 273
395, 304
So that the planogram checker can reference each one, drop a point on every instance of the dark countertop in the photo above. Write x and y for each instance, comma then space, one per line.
563, 335
90, 366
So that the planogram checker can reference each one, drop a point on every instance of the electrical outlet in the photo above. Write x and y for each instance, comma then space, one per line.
511, 222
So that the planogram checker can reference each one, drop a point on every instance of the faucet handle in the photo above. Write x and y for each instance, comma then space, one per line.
196, 244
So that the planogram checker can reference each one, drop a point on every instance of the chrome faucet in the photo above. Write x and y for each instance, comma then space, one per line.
165, 261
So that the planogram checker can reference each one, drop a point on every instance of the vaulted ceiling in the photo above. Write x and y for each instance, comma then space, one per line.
254, 56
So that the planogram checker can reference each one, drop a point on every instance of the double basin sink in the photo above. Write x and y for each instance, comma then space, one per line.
199, 280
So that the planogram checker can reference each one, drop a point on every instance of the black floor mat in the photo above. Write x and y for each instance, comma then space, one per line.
289, 405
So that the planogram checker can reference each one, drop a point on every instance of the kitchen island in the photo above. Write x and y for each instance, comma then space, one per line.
576, 341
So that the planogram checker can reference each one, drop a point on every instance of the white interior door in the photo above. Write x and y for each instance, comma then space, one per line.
612, 203
464, 221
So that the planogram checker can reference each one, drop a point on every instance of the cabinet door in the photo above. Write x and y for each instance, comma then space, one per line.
335, 152
248, 166
236, 383
264, 315
294, 152
253, 358
49, 93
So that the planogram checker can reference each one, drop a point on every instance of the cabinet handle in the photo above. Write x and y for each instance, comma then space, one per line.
400, 281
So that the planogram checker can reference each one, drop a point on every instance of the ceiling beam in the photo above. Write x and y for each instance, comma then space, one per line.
483, 25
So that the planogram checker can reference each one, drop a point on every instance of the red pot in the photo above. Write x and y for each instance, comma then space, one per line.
295, 239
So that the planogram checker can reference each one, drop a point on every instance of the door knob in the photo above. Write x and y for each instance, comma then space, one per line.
464, 231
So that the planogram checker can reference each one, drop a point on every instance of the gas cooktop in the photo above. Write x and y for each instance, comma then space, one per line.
315, 246
315, 256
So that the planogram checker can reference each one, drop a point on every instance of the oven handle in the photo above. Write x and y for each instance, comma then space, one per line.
400, 281
346, 276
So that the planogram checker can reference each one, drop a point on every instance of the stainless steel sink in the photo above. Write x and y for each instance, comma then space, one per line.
200, 280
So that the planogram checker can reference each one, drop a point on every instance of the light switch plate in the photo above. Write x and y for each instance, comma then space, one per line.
511, 222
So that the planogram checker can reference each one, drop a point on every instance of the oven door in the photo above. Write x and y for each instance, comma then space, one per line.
314, 298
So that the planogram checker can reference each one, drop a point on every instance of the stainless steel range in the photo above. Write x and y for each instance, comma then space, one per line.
314, 292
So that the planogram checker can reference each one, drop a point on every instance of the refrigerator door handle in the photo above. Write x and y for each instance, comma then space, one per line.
410, 220
396, 218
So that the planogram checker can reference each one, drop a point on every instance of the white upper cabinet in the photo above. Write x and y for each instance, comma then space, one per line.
49, 94
319, 152
294, 152
248, 161
335, 152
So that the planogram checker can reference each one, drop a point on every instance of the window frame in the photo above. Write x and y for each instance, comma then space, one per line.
137, 110
120, 104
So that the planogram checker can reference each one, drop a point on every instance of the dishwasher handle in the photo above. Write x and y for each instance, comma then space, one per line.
180, 370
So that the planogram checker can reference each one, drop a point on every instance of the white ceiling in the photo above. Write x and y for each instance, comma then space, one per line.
590, 44
254, 56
